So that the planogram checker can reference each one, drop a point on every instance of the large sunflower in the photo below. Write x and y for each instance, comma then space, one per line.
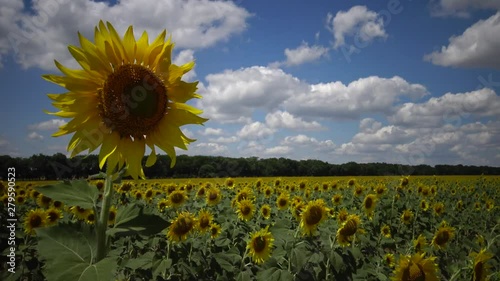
181, 226
313, 214
480, 265
260, 245
127, 95
34, 219
416, 268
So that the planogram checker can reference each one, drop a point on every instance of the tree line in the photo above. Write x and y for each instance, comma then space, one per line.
58, 166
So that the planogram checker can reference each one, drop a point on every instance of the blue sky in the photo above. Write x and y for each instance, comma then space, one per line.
398, 81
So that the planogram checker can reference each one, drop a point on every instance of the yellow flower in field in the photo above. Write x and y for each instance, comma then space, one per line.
297, 210
127, 95
480, 265
260, 245
460, 205
283, 201
407, 216
489, 205
342, 216
302, 184
424, 205
201, 192
439, 208
265, 211
369, 205
112, 215
258, 183
177, 198
337, 199
91, 218
325, 187
245, 210
215, 230
386, 231
171, 188
181, 226
351, 182
346, 232
477, 206
229, 182
43, 201
380, 190
314, 213
425, 191
125, 187
34, 194
405, 181
358, 190
34, 219
80, 213
442, 236
420, 243
162, 204
244, 193
268, 191
20, 199
277, 182
416, 268
205, 219
213, 196
389, 260
53, 215
57, 204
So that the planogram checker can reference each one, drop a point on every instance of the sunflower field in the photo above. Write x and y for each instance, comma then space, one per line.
363, 228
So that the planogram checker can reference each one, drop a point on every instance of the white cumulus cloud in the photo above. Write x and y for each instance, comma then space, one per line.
363, 24
42, 35
477, 46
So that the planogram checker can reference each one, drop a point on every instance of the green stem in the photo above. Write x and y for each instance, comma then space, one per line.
102, 223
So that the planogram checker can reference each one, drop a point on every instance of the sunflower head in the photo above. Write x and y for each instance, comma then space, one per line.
127, 95
34, 219
265, 211
369, 204
213, 196
215, 230
260, 245
205, 219
177, 198
416, 268
407, 216
385, 230
245, 209
53, 215
420, 243
389, 260
112, 215
181, 226
442, 236
480, 264
337, 199
314, 213
283, 200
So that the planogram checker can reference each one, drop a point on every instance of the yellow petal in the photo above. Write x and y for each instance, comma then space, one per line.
134, 151
129, 44
108, 147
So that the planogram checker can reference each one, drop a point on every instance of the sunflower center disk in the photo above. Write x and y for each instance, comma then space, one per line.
133, 101
314, 216
413, 273
259, 244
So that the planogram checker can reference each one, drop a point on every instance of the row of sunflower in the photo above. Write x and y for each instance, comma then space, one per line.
420, 228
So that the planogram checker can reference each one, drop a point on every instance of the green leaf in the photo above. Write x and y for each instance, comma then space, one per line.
244, 276
299, 257
126, 214
72, 193
138, 223
274, 274
69, 255
160, 267
143, 262
226, 261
